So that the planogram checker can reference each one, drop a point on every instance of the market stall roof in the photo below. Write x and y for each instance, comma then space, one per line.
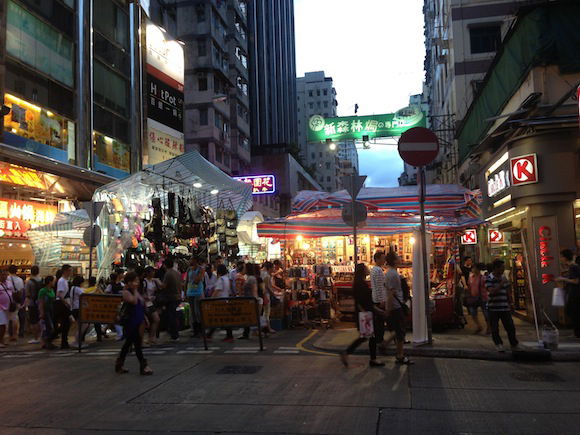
247, 227
187, 174
440, 200
390, 211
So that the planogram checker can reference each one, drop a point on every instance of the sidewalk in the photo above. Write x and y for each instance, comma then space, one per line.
463, 343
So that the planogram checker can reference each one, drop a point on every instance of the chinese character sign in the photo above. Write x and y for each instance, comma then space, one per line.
16, 217
355, 127
261, 184
163, 143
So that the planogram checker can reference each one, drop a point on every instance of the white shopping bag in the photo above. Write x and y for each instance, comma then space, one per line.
558, 297
365, 324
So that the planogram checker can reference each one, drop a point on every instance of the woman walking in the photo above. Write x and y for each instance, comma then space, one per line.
151, 286
477, 297
364, 303
133, 317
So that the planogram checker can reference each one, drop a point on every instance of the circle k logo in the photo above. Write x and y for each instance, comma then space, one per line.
524, 169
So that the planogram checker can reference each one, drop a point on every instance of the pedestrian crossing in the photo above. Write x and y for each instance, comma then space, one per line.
157, 351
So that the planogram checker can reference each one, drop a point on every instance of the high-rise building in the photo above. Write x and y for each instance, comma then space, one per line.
272, 73
216, 110
316, 96
461, 40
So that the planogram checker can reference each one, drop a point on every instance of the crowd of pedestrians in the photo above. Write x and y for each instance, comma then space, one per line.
48, 307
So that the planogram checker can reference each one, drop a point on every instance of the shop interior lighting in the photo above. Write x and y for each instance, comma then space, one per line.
197, 185
412, 240
511, 216
502, 201
306, 246
215, 192
299, 238
22, 102
500, 214
577, 216
497, 164
179, 41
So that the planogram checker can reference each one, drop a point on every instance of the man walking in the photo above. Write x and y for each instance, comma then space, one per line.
379, 294
173, 286
62, 308
194, 294
498, 306
32, 287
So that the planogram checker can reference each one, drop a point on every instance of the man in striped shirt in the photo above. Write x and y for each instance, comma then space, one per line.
499, 307
379, 291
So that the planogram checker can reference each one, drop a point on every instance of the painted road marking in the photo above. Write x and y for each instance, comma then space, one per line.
240, 351
287, 352
194, 352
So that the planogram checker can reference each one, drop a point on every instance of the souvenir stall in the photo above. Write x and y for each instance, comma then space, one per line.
62, 243
314, 234
184, 206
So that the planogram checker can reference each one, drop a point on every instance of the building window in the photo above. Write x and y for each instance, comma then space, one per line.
485, 39
110, 90
310, 93
203, 117
113, 22
318, 92
201, 48
326, 92
320, 154
313, 156
327, 165
318, 104
311, 105
202, 83
111, 152
38, 45
328, 178
326, 104
200, 13
325, 115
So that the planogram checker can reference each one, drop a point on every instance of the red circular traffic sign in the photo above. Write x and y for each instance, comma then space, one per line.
418, 146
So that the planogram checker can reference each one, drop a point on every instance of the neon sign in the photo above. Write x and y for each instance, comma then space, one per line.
261, 184
21, 176
17, 217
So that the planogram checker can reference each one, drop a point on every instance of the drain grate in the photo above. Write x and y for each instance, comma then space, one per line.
239, 370
536, 377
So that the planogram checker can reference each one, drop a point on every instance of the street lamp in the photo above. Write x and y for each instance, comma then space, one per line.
331, 144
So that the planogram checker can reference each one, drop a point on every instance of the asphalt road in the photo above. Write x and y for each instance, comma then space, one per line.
236, 389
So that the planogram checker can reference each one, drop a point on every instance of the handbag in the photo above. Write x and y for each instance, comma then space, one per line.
365, 324
558, 297
404, 307
13, 306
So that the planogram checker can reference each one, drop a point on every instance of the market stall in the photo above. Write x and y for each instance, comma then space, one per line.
181, 206
315, 235
253, 248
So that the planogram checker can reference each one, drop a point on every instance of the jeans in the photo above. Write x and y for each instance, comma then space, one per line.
171, 308
62, 314
132, 338
508, 324
195, 313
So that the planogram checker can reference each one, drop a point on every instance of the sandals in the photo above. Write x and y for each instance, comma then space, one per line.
404, 361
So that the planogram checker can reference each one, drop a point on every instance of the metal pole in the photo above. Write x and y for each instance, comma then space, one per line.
424, 254
354, 222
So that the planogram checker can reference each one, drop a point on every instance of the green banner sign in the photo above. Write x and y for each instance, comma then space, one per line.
355, 127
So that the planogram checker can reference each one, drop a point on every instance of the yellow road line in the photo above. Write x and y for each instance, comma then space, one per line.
302, 348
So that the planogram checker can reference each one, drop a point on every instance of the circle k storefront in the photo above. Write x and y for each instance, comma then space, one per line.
531, 191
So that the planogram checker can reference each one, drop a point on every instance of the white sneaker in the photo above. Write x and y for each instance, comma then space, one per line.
33, 341
500, 347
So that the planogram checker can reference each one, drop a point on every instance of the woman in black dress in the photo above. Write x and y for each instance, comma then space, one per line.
364, 302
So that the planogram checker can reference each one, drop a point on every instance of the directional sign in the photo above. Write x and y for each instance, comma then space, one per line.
495, 236
418, 146
353, 188
524, 169
469, 237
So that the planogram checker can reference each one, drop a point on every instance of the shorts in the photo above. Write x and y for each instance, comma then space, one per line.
3, 318
473, 309
396, 323
33, 314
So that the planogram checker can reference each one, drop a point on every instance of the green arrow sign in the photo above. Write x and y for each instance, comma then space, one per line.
355, 127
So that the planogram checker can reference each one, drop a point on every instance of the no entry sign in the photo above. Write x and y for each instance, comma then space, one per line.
418, 146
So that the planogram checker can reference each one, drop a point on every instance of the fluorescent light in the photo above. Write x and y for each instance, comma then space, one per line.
501, 213
502, 201
179, 41
497, 164
215, 192
510, 216
197, 185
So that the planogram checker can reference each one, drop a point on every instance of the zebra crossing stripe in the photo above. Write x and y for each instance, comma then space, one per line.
194, 352
287, 352
241, 351
246, 348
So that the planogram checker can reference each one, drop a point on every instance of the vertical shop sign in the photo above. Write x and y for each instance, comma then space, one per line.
546, 248
165, 77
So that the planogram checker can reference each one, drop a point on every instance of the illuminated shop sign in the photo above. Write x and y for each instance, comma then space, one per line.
21, 176
469, 237
546, 246
497, 177
17, 217
524, 169
495, 236
261, 184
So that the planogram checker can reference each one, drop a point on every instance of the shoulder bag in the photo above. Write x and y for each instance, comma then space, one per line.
13, 306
